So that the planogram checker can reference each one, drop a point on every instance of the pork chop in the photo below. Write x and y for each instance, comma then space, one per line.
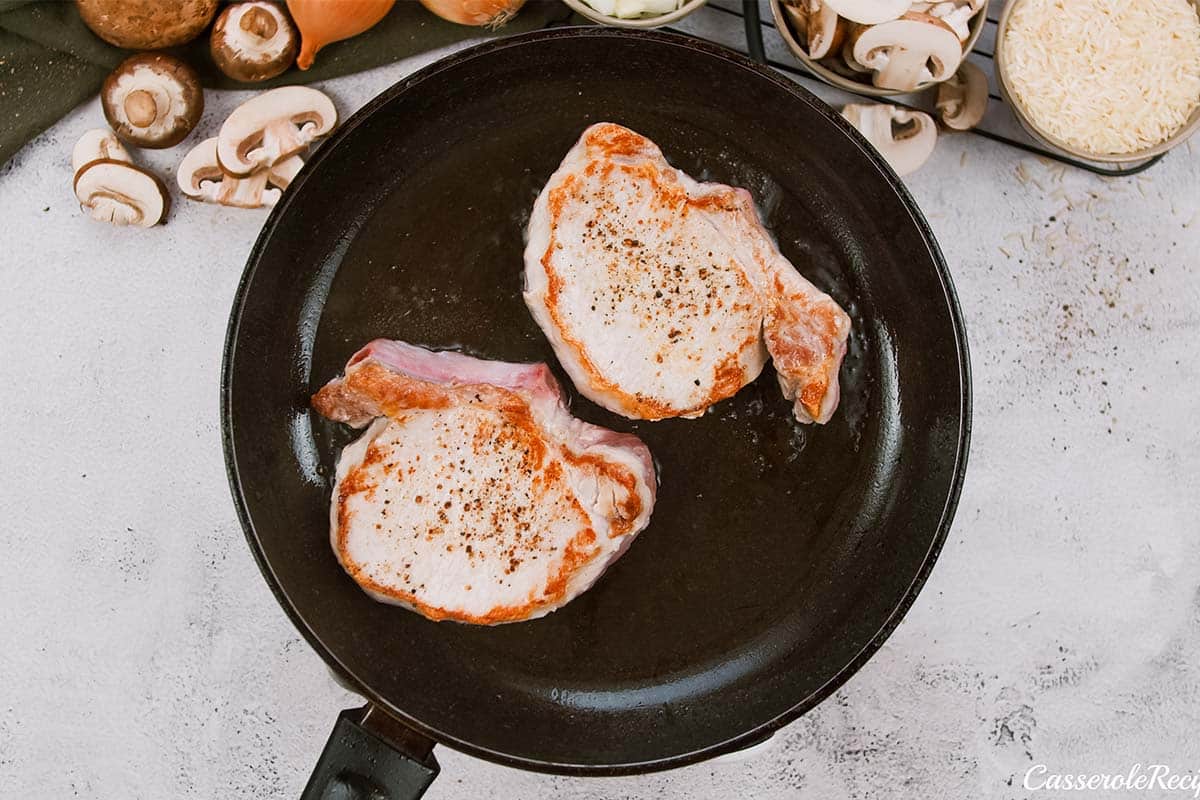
662, 296
474, 495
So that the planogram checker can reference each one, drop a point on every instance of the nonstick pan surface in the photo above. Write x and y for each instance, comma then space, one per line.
779, 556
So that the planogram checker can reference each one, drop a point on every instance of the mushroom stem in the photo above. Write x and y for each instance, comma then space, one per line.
259, 22
140, 108
243, 192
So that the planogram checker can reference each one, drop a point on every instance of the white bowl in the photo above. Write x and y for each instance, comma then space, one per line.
1179, 137
583, 8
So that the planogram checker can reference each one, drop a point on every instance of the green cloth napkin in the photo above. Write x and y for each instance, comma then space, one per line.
51, 62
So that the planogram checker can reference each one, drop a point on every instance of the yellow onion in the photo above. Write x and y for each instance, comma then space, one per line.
492, 13
322, 22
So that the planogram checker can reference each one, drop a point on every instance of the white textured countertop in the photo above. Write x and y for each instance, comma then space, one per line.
144, 657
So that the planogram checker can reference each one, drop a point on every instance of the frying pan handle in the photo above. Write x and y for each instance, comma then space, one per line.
371, 756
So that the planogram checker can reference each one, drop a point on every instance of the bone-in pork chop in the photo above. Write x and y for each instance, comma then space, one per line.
662, 295
474, 495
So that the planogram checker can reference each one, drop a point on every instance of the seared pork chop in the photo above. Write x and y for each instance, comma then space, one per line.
659, 293
474, 495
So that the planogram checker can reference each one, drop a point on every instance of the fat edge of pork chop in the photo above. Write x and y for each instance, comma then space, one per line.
715, 342
525, 516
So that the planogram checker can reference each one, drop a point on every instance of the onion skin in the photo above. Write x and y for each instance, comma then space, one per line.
323, 22
490, 13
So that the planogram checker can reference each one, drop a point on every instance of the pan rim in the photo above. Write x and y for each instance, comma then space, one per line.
764, 730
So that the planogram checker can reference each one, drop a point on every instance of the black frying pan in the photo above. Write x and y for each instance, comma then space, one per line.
779, 556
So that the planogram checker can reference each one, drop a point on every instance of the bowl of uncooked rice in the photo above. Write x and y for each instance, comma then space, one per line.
1103, 80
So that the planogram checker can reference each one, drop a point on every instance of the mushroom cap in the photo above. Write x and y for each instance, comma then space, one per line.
95, 145
121, 193
152, 100
147, 24
910, 51
905, 138
962, 99
253, 41
869, 12
272, 126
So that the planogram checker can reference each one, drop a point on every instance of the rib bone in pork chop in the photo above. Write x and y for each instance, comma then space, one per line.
474, 495
662, 295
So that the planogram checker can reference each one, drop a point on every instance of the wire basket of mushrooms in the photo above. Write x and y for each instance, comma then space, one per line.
880, 47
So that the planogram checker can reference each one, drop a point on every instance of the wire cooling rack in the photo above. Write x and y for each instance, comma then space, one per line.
712, 21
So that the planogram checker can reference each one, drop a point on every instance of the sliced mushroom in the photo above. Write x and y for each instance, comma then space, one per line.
818, 26
253, 41
957, 16
910, 51
272, 126
152, 100
97, 144
848, 48
147, 24
826, 30
904, 138
869, 12
121, 193
962, 99
284, 172
200, 178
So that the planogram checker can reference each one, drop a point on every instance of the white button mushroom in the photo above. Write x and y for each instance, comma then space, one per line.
253, 41
200, 178
272, 126
903, 137
910, 51
152, 100
962, 100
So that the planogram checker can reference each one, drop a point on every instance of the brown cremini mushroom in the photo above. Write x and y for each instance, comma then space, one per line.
908, 52
904, 138
253, 41
121, 193
962, 99
152, 100
147, 24
200, 178
272, 126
